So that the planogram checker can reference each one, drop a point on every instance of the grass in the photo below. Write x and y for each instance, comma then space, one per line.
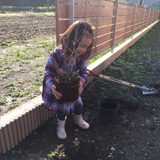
24, 58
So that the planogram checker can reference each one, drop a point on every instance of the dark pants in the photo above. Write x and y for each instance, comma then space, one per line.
61, 116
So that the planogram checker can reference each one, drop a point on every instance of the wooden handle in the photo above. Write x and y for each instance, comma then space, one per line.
117, 81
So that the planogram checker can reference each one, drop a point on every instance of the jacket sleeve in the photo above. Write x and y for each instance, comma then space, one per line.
49, 73
83, 73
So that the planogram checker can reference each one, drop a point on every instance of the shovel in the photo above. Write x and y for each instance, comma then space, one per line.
146, 89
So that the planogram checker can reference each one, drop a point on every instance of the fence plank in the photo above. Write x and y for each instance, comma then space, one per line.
145, 24
123, 36
33, 120
106, 3
126, 6
11, 135
36, 117
101, 21
103, 30
137, 27
139, 17
85, 11
88, 11
41, 114
62, 0
63, 25
87, 2
18, 128
106, 12
25, 124
138, 23
15, 132
140, 10
22, 126
96, 2
122, 31
124, 25
103, 39
125, 12
62, 10
3, 144
6, 137
29, 121
124, 19
47, 113
102, 46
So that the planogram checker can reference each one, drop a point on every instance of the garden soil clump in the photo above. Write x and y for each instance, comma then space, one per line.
135, 133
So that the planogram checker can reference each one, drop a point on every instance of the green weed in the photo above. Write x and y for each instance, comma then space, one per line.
10, 85
14, 105
3, 101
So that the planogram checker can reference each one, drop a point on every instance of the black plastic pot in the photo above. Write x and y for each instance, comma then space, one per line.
69, 93
108, 109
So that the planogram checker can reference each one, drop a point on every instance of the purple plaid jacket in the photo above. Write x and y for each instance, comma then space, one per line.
48, 80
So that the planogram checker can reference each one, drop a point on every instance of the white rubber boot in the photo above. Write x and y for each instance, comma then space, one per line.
78, 119
61, 133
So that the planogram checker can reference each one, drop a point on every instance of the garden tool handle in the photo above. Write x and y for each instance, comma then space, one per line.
110, 79
90, 73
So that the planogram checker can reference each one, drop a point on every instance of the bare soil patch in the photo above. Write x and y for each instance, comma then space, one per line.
136, 130
25, 27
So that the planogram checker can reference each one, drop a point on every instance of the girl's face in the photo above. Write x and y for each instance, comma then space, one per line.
86, 42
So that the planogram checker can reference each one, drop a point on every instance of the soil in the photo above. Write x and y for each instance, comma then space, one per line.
135, 132
25, 41
25, 27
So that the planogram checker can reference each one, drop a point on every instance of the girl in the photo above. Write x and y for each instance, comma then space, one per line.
76, 46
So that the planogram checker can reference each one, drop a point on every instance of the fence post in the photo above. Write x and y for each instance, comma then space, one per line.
143, 18
71, 11
114, 25
153, 16
149, 16
48, 5
57, 20
135, 12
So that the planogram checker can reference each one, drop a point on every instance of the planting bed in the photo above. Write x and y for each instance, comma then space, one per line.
25, 26
136, 130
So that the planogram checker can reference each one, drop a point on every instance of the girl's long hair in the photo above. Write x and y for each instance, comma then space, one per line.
74, 35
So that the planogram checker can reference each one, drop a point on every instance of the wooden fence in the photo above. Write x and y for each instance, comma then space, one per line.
114, 21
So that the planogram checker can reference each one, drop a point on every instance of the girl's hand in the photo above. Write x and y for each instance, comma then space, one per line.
55, 93
80, 87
